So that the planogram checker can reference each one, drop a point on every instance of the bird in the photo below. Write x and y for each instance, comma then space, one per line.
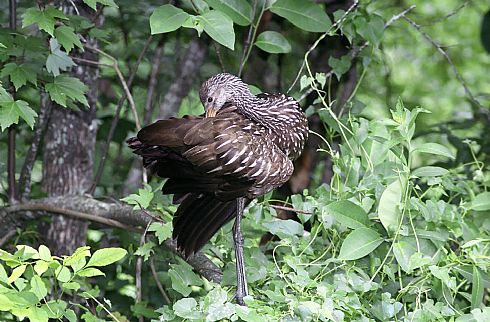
215, 164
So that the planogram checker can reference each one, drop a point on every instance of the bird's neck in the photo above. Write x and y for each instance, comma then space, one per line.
259, 110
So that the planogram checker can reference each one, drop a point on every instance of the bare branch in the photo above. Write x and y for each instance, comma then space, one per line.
248, 40
299, 211
42, 123
478, 106
112, 214
192, 61
115, 120
165, 297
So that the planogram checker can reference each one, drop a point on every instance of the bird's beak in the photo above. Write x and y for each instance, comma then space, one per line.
211, 111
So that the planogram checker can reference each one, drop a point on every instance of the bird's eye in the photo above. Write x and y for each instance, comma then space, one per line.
210, 99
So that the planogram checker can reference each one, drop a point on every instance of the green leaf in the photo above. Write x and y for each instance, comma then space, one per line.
65, 87
359, 243
388, 209
67, 38
62, 274
186, 308
16, 273
347, 213
18, 74
44, 253
476, 289
219, 27
38, 287
58, 59
435, 148
40, 267
90, 272
240, 11
167, 18
162, 231
3, 274
142, 199
303, 14
481, 202
340, 66
44, 18
71, 285
70, 315
183, 278
429, 171
10, 111
145, 250
194, 23
284, 228
6, 304
106, 256
93, 3
403, 251
273, 42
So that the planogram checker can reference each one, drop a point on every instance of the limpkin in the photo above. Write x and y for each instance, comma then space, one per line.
240, 149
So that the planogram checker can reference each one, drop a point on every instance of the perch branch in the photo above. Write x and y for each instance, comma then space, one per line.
112, 214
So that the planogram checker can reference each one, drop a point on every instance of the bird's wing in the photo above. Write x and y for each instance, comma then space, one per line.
230, 155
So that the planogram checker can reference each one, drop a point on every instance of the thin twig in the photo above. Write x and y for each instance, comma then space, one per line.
248, 40
315, 44
75, 7
220, 59
153, 81
139, 269
449, 15
42, 123
166, 299
12, 128
124, 84
251, 40
449, 60
6, 237
115, 120
291, 209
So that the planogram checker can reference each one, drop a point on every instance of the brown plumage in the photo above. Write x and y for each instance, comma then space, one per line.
242, 149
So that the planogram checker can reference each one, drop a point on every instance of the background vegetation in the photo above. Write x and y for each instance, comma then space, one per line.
386, 217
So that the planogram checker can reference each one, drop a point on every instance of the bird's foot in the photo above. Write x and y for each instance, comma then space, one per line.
239, 298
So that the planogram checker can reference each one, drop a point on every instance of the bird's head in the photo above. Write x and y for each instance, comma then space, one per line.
219, 90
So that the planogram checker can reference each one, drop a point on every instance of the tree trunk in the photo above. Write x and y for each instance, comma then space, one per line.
69, 153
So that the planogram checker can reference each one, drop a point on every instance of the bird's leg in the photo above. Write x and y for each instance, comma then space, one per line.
240, 265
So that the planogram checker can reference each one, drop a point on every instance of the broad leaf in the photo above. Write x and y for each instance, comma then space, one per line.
340, 66
273, 42
162, 231
347, 214
481, 202
93, 3
10, 111
359, 243
16, 273
67, 38
18, 74
186, 308
388, 209
219, 27
58, 59
477, 288
106, 256
435, 148
429, 171
240, 11
38, 287
90, 272
65, 87
303, 14
167, 18
44, 18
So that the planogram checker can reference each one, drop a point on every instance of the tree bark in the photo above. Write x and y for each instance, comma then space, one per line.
69, 153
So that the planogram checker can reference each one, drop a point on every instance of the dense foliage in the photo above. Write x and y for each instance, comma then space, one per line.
393, 224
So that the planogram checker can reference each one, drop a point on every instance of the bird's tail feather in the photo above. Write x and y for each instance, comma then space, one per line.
198, 218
